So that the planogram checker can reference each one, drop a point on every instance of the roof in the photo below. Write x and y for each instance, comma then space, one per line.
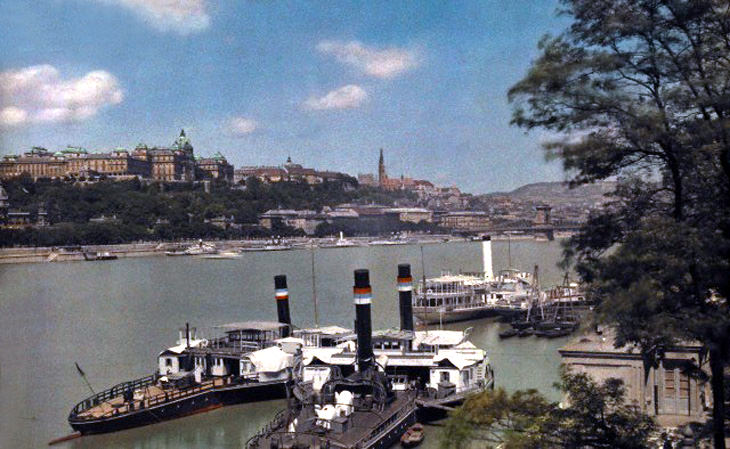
401, 210
326, 330
458, 360
457, 278
438, 337
181, 347
466, 213
252, 325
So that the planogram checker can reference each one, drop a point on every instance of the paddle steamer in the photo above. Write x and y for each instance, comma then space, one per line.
361, 410
251, 361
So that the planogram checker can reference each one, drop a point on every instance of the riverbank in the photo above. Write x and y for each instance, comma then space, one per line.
151, 249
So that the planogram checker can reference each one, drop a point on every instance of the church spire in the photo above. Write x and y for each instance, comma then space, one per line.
382, 176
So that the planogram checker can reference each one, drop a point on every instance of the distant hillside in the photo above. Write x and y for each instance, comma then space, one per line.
558, 192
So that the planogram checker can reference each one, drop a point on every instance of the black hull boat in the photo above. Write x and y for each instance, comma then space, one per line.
251, 361
509, 333
360, 411
88, 418
93, 257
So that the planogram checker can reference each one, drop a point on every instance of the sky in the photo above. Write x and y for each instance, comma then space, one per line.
328, 83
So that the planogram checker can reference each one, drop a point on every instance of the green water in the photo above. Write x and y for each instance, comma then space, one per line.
114, 317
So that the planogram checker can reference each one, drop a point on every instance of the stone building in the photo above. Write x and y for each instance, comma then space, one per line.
542, 215
291, 171
667, 391
471, 221
174, 163
215, 167
411, 214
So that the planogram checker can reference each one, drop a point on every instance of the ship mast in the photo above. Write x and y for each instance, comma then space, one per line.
314, 292
424, 290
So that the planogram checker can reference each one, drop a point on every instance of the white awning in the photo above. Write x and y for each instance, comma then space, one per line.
323, 354
271, 360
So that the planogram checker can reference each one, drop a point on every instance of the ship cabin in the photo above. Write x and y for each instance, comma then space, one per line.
322, 337
450, 290
225, 355
512, 289
439, 362
177, 358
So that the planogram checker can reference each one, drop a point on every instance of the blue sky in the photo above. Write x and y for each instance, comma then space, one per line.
328, 83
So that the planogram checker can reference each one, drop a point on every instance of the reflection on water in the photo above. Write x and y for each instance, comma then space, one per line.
113, 318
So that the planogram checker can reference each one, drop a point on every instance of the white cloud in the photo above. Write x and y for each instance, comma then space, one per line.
12, 116
239, 126
37, 94
346, 97
181, 16
380, 63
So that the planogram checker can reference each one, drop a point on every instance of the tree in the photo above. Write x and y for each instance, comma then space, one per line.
639, 91
595, 417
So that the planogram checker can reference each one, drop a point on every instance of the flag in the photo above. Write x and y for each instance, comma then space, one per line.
81, 372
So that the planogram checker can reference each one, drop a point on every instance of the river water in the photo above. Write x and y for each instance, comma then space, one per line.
114, 317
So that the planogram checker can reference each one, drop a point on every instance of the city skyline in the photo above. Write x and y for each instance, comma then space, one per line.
264, 81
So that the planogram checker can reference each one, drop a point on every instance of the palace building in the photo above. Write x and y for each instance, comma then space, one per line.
174, 163
291, 171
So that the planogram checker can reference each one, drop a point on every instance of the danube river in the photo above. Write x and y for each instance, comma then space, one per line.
114, 317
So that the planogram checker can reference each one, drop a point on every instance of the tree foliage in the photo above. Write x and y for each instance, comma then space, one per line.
595, 417
639, 91
166, 211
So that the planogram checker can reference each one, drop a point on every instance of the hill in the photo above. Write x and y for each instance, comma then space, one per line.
558, 193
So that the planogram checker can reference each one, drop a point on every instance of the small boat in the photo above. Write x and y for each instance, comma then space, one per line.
342, 242
223, 255
198, 249
553, 333
509, 333
525, 333
413, 436
101, 255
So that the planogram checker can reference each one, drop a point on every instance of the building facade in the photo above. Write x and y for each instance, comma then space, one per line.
471, 221
174, 163
291, 171
215, 167
667, 391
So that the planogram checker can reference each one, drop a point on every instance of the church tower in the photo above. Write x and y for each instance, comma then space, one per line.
382, 176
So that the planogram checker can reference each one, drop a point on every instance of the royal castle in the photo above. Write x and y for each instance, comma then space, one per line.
174, 163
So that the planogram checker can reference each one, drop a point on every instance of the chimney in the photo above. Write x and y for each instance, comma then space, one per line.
363, 298
487, 257
187, 335
282, 302
405, 293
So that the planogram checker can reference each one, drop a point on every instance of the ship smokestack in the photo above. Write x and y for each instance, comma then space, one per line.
363, 297
405, 294
487, 257
281, 293
187, 335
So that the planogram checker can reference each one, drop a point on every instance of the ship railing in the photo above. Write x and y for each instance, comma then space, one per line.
377, 432
278, 422
113, 392
165, 397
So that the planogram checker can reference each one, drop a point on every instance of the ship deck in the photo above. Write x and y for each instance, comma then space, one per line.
153, 395
365, 427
